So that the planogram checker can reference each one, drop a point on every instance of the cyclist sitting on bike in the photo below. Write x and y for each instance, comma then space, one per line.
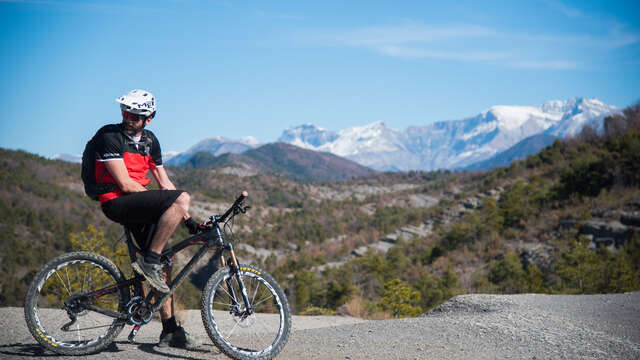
125, 153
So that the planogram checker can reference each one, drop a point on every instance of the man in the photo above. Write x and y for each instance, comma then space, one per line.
125, 153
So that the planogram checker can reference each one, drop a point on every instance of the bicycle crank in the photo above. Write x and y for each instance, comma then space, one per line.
140, 313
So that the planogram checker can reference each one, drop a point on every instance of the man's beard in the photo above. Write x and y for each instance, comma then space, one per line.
132, 128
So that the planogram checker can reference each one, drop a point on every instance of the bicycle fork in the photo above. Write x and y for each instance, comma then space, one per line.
243, 290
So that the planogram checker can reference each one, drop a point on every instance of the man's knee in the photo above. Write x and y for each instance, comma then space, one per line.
183, 200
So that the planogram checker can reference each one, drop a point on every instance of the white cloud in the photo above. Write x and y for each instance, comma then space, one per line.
408, 52
564, 9
472, 43
410, 33
549, 65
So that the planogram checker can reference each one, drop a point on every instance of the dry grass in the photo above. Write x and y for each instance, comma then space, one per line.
353, 307
357, 307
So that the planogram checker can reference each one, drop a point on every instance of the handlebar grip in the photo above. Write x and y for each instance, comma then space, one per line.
241, 198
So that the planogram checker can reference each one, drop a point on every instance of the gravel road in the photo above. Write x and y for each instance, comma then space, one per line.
529, 326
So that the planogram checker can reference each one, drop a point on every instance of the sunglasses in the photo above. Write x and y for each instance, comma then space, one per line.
138, 117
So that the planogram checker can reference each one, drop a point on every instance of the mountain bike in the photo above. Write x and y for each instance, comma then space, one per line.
79, 302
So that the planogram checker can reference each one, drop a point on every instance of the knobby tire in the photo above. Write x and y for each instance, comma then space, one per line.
261, 335
69, 274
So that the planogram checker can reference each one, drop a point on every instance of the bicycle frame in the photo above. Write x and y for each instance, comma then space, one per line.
211, 237
208, 239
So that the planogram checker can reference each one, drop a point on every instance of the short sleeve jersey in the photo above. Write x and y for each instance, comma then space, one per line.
113, 144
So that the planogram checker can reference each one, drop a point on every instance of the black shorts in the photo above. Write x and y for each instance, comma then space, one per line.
140, 211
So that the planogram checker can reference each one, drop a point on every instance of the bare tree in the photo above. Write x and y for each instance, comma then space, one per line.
632, 115
614, 125
589, 134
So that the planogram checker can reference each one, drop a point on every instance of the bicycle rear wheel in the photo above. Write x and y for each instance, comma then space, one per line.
50, 306
240, 335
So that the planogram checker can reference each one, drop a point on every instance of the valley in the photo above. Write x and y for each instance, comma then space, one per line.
561, 221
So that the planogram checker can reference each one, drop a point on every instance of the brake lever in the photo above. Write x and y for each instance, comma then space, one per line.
212, 219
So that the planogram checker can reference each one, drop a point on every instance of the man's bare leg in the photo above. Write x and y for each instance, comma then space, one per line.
169, 222
166, 310
173, 334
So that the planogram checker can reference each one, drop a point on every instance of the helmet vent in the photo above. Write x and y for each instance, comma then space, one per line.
140, 102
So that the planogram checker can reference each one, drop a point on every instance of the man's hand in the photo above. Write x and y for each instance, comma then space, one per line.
193, 226
160, 174
119, 172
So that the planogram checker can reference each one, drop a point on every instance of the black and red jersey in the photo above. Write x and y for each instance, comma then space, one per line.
139, 156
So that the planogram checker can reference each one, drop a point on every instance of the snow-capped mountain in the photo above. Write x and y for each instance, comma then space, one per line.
531, 145
216, 146
307, 135
374, 145
67, 157
452, 144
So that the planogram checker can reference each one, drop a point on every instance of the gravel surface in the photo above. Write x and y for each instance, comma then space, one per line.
529, 326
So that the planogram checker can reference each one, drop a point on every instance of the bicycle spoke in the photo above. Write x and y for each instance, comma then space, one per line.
223, 289
66, 269
261, 301
232, 330
223, 304
84, 279
254, 294
62, 282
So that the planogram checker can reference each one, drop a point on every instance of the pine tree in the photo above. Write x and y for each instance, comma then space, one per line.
400, 299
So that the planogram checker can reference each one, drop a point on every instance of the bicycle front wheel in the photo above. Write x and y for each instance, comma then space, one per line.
55, 299
241, 334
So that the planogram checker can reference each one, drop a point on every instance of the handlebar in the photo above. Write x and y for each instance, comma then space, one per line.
236, 205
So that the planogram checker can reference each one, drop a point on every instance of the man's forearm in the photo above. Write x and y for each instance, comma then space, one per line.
167, 186
132, 186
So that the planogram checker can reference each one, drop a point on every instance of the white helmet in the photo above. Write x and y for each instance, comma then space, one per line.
139, 102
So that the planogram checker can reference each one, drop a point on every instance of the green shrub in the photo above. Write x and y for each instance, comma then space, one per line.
317, 311
585, 176
463, 232
400, 299
585, 271
435, 291
514, 205
628, 146
508, 274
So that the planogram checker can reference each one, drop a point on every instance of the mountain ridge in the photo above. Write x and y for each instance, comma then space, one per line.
454, 143
217, 145
531, 145
288, 160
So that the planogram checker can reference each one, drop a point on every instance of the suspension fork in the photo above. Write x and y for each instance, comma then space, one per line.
235, 269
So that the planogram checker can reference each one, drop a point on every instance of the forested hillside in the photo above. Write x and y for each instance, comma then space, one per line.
285, 159
394, 244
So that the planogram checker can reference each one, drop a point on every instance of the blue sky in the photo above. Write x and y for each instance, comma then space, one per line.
255, 68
